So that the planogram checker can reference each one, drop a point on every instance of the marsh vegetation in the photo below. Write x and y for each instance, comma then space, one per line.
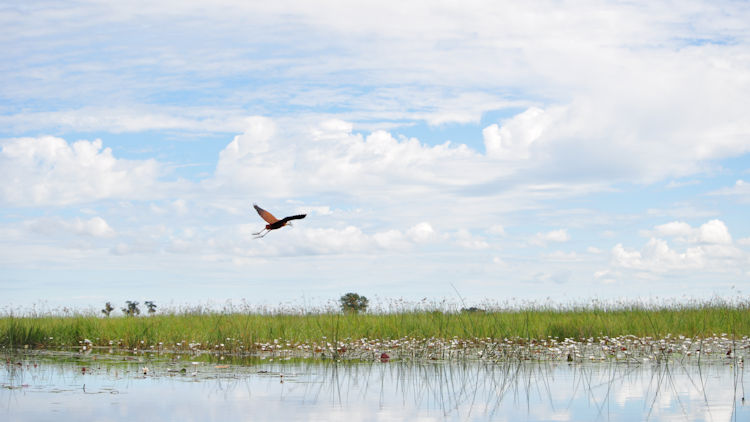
411, 330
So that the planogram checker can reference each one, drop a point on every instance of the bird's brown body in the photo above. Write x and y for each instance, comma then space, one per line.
273, 222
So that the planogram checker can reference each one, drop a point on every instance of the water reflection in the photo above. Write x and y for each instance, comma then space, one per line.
113, 388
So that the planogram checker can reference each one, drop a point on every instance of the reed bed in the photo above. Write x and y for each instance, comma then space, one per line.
245, 332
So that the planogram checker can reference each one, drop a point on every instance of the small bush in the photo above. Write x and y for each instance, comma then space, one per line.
472, 310
132, 308
108, 308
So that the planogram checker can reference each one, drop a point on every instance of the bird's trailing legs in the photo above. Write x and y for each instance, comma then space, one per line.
259, 235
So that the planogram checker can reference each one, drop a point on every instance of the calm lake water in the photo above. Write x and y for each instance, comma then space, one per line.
55, 387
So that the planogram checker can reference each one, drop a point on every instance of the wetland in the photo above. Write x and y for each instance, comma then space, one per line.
590, 363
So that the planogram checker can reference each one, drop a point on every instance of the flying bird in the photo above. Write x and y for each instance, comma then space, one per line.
273, 222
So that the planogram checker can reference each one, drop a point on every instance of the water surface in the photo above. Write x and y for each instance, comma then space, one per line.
72, 386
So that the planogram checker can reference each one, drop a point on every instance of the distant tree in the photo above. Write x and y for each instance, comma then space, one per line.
132, 309
472, 310
108, 308
352, 302
151, 306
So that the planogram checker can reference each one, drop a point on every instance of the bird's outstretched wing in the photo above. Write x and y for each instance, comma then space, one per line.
293, 217
270, 219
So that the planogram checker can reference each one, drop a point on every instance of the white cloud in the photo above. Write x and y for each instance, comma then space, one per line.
421, 233
350, 239
327, 241
127, 119
673, 184
674, 229
379, 171
332, 130
319, 210
255, 139
657, 256
740, 191
606, 276
451, 63
556, 236
94, 227
515, 138
49, 171
497, 229
714, 231
711, 232
467, 240
391, 240
331, 158
560, 235
180, 206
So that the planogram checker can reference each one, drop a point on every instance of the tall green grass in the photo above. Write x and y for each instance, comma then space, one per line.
245, 330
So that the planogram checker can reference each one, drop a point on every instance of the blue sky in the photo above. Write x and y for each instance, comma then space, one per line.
502, 150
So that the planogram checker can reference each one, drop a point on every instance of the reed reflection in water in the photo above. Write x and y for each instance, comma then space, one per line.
326, 390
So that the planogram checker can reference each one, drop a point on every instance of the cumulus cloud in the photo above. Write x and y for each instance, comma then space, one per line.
255, 139
657, 256
515, 138
421, 233
712, 232
709, 247
50, 171
715, 231
330, 157
556, 236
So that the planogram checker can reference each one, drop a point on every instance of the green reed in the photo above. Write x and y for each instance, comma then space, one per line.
236, 331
